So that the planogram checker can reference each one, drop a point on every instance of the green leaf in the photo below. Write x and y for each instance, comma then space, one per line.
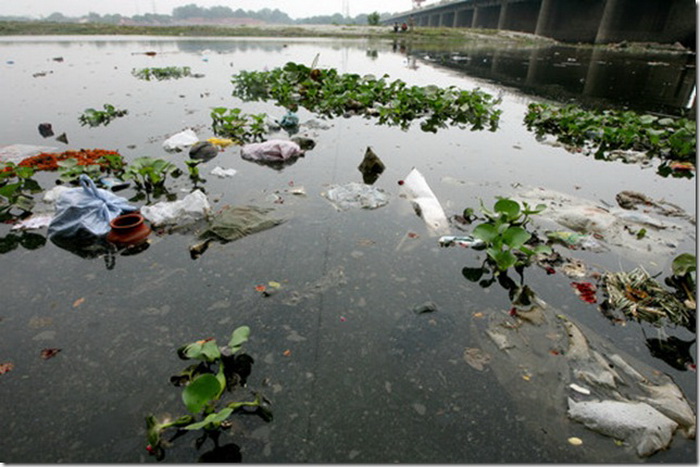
207, 351
486, 232
504, 259
683, 264
211, 419
8, 190
537, 209
515, 237
200, 392
542, 249
221, 377
238, 338
508, 207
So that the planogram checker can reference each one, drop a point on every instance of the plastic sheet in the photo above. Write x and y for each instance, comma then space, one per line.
234, 222
191, 208
637, 423
275, 150
180, 141
425, 202
223, 173
612, 227
356, 195
546, 360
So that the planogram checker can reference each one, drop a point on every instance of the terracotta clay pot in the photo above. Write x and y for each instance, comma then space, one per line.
128, 229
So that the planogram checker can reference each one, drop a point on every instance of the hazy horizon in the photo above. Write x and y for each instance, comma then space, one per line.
294, 8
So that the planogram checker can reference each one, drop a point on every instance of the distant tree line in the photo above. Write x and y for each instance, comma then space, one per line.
192, 11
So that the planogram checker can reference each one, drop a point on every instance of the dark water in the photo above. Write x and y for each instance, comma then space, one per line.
354, 375
653, 81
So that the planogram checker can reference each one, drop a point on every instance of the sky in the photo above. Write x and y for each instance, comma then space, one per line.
294, 8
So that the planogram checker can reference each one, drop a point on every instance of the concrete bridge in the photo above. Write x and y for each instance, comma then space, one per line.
587, 21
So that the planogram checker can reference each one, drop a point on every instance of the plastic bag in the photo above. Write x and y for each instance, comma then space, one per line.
234, 222
356, 195
189, 209
87, 209
275, 150
180, 141
425, 202
223, 173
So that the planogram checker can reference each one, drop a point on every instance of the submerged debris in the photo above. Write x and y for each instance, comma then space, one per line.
642, 298
355, 195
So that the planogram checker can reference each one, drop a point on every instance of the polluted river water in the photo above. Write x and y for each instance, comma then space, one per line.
371, 347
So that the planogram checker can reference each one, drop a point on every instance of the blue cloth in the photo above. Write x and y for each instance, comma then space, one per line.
86, 209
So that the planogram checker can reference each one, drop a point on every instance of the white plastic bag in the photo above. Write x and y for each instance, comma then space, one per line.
223, 173
276, 150
180, 141
86, 209
192, 207
425, 202
356, 195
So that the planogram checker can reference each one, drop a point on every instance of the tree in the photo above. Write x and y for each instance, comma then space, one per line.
373, 19
57, 17
188, 11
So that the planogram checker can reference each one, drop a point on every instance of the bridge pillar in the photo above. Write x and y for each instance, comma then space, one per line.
570, 20
464, 18
447, 19
614, 10
503, 15
475, 17
544, 18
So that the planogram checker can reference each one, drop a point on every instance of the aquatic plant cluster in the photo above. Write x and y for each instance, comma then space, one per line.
95, 117
170, 72
219, 370
670, 139
232, 123
329, 93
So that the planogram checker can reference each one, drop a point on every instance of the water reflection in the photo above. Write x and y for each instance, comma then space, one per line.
649, 82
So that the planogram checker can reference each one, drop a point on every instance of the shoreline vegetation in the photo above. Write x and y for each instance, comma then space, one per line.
23, 28
482, 37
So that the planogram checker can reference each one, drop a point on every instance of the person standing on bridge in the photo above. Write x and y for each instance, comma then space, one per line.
411, 23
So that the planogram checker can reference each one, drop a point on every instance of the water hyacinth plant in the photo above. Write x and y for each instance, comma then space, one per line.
505, 235
16, 189
149, 173
332, 94
671, 139
233, 124
94, 117
219, 370
170, 72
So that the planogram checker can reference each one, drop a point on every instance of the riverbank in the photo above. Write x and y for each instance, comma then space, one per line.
18, 28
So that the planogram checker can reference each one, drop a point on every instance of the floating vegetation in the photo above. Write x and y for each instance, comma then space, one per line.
505, 236
171, 72
671, 139
149, 174
94, 117
329, 93
206, 386
642, 298
233, 124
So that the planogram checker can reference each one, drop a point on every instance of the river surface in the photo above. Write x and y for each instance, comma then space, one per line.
352, 372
